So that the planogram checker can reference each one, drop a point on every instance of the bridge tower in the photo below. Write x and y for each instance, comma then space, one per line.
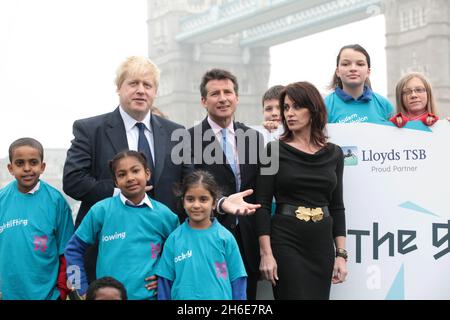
418, 39
183, 64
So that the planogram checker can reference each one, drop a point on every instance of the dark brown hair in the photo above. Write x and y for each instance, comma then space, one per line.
105, 282
336, 81
29, 142
129, 153
305, 95
198, 178
217, 74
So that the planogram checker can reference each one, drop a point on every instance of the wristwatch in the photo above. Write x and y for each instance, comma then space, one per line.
341, 252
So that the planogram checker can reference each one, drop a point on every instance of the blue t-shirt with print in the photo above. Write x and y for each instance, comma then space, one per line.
370, 107
34, 230
130, 241
202, 263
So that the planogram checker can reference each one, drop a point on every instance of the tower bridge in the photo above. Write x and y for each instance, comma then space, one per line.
188, 37
268, 23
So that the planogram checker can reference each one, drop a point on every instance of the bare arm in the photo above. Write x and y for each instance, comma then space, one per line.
340, 264
268, 265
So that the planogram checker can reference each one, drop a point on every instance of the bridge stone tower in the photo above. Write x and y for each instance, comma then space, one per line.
182, 64
188, 37
418, 39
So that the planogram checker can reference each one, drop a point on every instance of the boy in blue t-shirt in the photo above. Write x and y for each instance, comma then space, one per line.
35, 225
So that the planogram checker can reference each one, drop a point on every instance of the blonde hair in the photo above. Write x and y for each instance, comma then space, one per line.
158, 112
401, 84
136, 66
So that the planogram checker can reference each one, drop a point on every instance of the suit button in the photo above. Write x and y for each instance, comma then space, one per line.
232, 226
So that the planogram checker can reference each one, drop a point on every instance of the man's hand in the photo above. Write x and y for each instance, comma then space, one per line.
236, 205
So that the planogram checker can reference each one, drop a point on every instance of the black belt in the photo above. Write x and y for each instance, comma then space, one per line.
289, 210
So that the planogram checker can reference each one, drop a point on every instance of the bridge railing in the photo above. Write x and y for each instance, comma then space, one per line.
262, 18
230, 10
309, 17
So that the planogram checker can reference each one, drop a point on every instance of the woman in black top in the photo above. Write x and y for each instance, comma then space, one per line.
303, 246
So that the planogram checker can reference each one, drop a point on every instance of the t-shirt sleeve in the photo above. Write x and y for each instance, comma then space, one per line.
386, 106
170, 223
166, 265
64, 225
235, 265
91, 225
174, 222
389, 109
329, 107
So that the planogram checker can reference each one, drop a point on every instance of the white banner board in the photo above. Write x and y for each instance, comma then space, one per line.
397, 194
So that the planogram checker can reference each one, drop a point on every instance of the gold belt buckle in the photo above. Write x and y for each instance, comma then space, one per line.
306, 214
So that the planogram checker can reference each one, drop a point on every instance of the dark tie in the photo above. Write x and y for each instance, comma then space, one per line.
144, 147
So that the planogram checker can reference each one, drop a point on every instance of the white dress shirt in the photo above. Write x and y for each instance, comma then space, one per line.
231, 139
145, 201
133, 132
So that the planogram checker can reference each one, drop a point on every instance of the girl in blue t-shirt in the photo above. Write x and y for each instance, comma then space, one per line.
131, 229
201, 258
416, 107
353, 100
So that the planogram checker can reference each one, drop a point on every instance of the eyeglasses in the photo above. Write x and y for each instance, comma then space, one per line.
408, 92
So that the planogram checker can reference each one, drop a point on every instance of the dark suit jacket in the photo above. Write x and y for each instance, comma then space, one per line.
97, 140
249, 165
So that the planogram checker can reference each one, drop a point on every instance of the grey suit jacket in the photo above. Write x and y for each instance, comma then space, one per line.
97, 140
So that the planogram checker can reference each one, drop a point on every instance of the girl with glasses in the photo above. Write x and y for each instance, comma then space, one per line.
415, 102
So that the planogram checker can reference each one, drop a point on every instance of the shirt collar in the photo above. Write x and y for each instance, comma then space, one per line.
35, 189
365, 97
216, 128
130, 122
146, 201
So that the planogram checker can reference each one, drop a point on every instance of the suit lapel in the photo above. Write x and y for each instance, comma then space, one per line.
160, 141
115, 131
205, 143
